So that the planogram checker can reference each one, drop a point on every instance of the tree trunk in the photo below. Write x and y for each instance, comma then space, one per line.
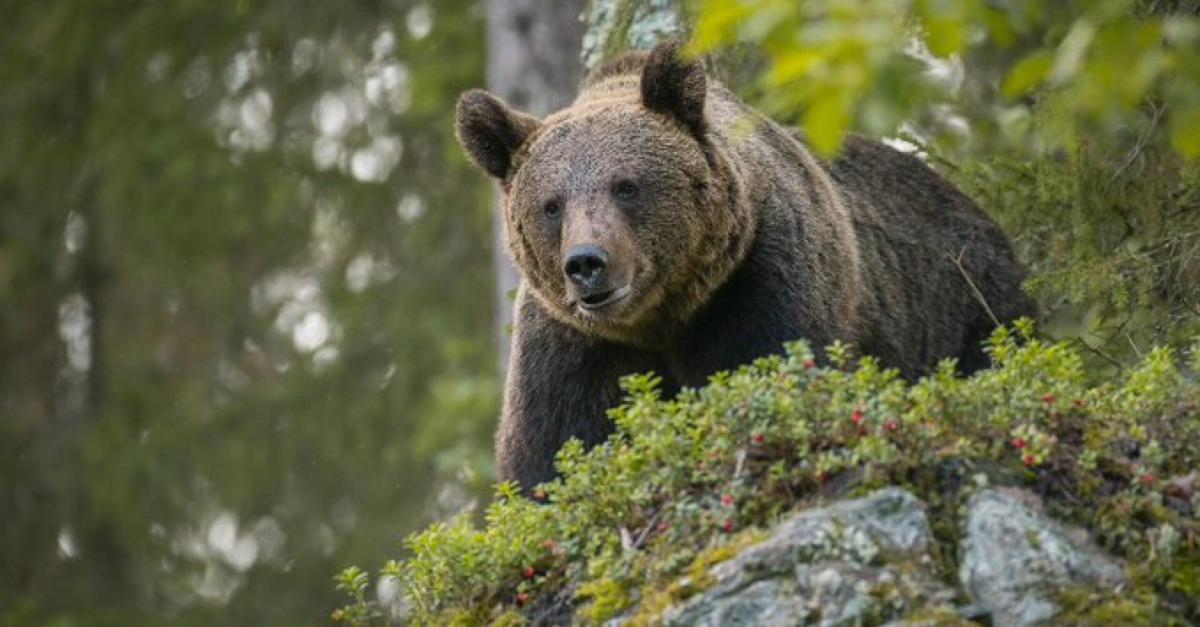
533, 63
617, 26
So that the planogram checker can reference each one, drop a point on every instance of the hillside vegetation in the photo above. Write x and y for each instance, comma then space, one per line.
687, 482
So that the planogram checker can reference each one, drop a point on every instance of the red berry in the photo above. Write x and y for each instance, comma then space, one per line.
757, 438
727, 500
728, 526
857, 417
1049, 399
1019, 443
522, 598
891, 426
664, 527
809, 364
529, 572
1029, 459
1149, 479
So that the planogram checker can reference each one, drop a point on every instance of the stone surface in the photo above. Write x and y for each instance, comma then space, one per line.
1015, 559
860, 561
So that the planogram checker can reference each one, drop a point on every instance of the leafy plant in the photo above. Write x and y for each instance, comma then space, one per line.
862, 64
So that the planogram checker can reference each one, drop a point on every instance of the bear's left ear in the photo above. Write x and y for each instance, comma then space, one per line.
674, 85
490, 131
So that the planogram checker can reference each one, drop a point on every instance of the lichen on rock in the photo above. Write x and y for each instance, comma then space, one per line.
616, 26
1016, 559
857, 561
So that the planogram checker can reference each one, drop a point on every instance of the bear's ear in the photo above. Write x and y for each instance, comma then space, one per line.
675, 85
490, 131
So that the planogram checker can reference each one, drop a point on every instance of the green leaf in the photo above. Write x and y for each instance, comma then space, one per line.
945, 26
826, 122
1027, 74
1185, 132
945, 36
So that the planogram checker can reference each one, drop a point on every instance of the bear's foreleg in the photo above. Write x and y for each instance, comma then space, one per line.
561, 384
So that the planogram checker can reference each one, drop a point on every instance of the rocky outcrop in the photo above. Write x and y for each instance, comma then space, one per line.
849, 563
868, 562
1015, 560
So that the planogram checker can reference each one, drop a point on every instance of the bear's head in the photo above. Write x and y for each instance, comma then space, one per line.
622, 212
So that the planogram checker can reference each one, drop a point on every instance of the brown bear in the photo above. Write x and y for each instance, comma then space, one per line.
660, 224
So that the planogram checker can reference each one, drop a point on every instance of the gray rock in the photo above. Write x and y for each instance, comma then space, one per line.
1015, 559
861, 561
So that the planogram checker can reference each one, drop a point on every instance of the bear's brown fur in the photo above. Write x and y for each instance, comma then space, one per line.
662, 225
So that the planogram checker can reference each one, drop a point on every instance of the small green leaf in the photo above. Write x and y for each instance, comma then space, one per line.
826, 122
945, 26
945, 36
1185, 131
1027, 74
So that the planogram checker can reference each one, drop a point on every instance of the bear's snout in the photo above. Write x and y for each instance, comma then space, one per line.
586, 266
598, 245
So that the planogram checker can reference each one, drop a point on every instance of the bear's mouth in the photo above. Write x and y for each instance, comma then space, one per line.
603, 299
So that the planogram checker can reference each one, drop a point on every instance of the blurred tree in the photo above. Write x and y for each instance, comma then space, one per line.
242, 338
533, 64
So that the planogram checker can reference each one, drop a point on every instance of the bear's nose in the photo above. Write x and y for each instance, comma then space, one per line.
585, 265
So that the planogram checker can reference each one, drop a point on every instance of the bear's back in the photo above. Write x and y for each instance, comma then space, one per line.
950, 257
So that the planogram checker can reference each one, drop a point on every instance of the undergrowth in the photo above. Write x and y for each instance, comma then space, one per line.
687, 481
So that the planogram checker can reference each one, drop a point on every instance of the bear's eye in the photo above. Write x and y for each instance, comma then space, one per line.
625, 190
553, 209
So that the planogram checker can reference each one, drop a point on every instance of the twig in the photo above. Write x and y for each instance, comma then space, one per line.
1138, 147
1135, 347
978, 295
1101, 353
636, 543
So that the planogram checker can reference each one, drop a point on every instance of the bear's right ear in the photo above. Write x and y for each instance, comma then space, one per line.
490, 131
674, 84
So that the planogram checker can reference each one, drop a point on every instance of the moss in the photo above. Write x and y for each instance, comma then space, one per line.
699, 572
617, 26
460, 617
510, 618
1033, 538
1179, 579
937, 616
1135, 608
608, 599
660, 594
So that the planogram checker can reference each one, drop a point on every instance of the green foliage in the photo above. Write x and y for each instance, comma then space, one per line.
852, 64
686, 481
1111, 238
353, 582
